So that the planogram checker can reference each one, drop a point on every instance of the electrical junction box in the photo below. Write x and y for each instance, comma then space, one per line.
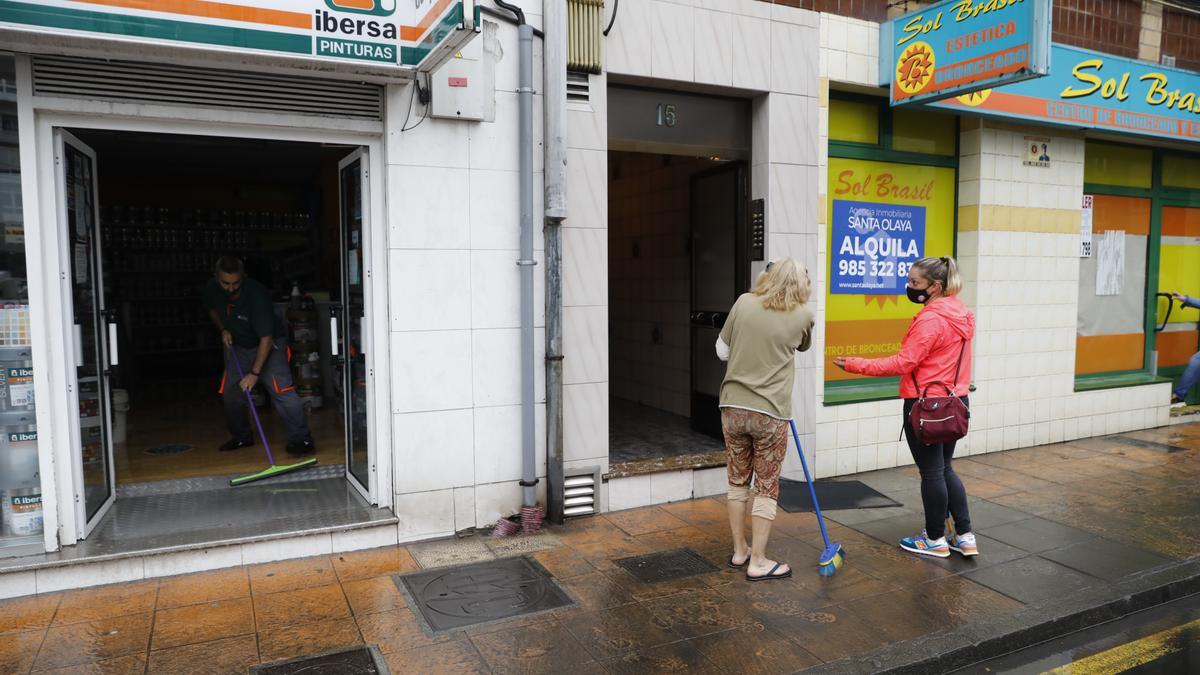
464, 87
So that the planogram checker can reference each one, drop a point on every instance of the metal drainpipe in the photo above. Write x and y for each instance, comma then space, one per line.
526, 261
554, 98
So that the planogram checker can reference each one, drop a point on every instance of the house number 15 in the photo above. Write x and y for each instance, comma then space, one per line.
666, 115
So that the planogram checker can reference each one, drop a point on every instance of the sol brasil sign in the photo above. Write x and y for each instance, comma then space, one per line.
959, 46
381, 32
1090, 90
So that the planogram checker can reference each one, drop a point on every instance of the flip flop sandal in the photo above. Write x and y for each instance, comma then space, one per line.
734, 566
771, 574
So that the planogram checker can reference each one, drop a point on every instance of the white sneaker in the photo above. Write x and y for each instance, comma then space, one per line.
964, 544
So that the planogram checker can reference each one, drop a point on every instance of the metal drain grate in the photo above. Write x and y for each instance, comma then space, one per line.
1149, 445
170, 449
666, 565
449, 599
356, 661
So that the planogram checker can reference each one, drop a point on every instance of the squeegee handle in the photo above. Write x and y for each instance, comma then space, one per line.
253, 411
808, 479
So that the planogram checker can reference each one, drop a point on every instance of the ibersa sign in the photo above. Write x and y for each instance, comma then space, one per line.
1090, 90
959, 46
384, 32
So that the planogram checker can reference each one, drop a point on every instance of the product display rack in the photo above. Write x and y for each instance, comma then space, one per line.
18, 438
158, 261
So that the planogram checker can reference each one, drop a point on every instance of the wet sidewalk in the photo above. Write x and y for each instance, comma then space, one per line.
1070, 534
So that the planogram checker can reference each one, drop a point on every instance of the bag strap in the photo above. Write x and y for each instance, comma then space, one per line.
959, 364
957, 367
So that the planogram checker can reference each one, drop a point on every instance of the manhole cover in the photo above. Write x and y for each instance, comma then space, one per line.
171, 449
356, 661
489, 591
666, 565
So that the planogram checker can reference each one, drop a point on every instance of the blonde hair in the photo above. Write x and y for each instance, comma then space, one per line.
783, 286
943, 270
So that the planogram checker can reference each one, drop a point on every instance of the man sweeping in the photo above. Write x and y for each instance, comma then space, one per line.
241, 310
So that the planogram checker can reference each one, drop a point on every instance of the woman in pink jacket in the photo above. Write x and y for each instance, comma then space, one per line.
936, 348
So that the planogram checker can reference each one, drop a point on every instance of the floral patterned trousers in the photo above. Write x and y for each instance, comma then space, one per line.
756, 445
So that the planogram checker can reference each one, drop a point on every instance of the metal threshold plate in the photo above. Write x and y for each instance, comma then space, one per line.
356, 661
666, 565
457, 597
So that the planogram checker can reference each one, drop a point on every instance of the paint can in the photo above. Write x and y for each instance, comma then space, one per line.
18, 456
23, 512
16, 386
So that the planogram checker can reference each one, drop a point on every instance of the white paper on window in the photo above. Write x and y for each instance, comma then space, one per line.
1110, 263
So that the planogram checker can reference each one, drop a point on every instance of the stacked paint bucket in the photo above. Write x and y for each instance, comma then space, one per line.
531, 519
530, 523
306, 350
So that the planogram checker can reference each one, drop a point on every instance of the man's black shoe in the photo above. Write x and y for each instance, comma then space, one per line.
234, 444
301, 448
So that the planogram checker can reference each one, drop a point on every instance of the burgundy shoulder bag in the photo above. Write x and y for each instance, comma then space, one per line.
939, 419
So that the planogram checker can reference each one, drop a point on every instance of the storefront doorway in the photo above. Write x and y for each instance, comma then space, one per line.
679, 255
144, 217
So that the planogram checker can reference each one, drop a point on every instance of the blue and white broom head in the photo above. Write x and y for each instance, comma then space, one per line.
833, 557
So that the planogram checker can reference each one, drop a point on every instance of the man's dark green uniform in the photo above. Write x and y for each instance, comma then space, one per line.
249, 316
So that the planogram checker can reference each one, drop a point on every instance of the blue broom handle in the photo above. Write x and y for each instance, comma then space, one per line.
808, 478
253, 411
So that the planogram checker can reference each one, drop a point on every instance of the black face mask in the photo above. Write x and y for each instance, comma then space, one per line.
917, 296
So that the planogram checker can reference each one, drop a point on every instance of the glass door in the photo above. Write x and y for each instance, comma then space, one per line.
95, 332
718, 205
347, 322
1178, 271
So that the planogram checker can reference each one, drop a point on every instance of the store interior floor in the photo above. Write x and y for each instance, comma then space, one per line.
172, 440
638, 432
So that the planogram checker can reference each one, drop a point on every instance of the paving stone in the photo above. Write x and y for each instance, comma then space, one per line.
1037, 534
1106, 559
522, 544
448, 552
357, 660
1032, 579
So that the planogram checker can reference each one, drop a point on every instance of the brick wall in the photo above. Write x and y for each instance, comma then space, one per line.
1111, 26
1181, 38
871, 10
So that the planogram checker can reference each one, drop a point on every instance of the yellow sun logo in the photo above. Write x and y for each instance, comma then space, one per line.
975, 98
914, 70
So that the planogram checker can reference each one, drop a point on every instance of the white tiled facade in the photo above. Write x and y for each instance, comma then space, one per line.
454, 304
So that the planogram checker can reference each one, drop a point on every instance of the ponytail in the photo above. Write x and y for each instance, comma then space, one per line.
943, 270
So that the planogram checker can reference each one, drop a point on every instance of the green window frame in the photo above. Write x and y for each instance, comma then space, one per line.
883, 388
1160, 195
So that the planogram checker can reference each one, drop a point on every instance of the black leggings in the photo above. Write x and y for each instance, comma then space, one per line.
941, 488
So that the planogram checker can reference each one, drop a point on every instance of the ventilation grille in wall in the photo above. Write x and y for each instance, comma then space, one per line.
578, 88
167, 84
579, 492
585, 23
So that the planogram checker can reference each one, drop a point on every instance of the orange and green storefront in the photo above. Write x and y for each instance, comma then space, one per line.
1152, 196
1073, 213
